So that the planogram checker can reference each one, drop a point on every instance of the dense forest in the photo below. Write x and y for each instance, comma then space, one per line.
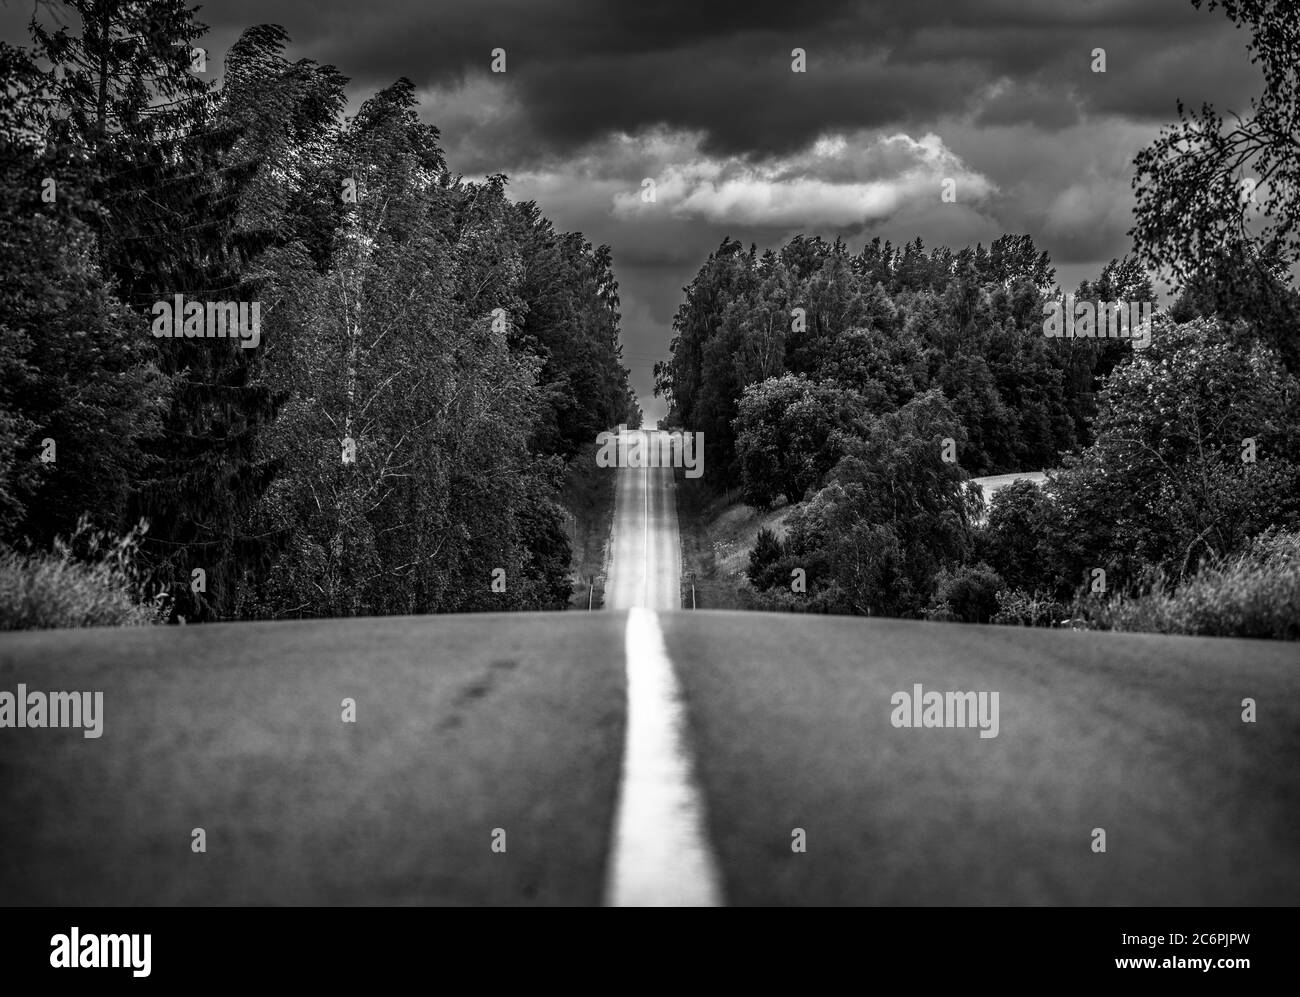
855, 334
432, 357
868, 387
865, 388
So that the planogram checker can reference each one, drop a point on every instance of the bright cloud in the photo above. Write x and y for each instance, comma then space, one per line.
840, 181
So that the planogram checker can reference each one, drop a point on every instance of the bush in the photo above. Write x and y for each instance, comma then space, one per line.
1253, 594
88, 581
1018, 608
941, 613
968, 594
782, 600
764, 558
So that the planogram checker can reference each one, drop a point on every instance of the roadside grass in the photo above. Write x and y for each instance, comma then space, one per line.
1253, 594
87, 580
718, 532
463, 725
588, 495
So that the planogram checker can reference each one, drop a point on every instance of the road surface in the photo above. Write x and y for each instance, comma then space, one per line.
645, 564
659, 853
994, 483
491, 758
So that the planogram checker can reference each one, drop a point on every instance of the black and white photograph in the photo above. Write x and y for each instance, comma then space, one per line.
602, 453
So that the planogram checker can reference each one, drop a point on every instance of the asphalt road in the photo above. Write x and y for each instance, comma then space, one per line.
464, 724
467, 725
994, 483
645, 563
1139, 735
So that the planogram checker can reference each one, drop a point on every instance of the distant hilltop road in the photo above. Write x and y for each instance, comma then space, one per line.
994, 483
645, 563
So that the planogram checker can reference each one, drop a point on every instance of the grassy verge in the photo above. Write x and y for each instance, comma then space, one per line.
718, 532
1253, 594
589, 497
88, 580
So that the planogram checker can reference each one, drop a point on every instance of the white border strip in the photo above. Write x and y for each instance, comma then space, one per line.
660, 855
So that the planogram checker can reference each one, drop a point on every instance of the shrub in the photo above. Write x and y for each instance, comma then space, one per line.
968, 594
1019, 608
767, 552
87, 581
941, 613
782, 600
1255, 593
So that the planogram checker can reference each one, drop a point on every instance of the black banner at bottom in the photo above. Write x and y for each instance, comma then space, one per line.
139, 947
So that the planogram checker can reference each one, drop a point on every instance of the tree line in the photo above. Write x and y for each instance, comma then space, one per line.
433, 356
776, 355
864, 389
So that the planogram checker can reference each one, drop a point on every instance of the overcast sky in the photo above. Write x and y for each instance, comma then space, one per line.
699, 95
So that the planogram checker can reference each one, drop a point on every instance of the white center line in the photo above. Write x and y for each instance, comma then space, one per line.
660, 855
645, 528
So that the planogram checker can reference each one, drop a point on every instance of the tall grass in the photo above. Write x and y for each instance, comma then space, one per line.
1020, 608
88, 580
1255, 593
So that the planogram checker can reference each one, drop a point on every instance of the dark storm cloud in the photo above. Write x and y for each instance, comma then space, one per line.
748, 104
579, 68
1027, 104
